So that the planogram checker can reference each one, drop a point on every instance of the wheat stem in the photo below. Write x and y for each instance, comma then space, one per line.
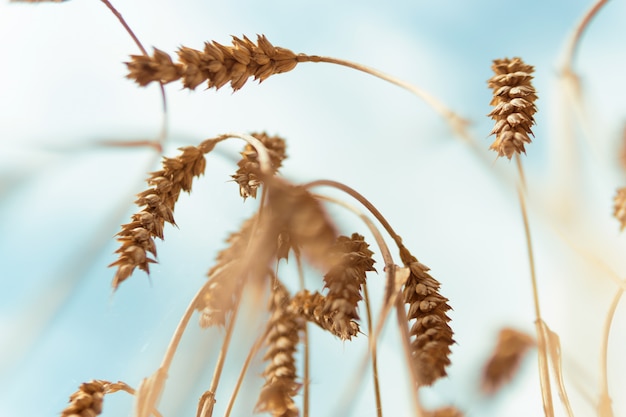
456, 122
574, 41
253, 351
158, 145
406, 347
306, 353
541, 339
389, 268
368, 312
604, 403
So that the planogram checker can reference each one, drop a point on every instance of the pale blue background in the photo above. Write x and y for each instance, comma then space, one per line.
63, 197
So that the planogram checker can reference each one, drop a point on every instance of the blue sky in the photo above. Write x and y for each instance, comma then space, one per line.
63, 197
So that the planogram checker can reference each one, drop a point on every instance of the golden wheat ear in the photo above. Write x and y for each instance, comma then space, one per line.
248, 175
217, 65
88, 400
283, 336
513, 101
352, 259
137, 237
505, 360
431, 335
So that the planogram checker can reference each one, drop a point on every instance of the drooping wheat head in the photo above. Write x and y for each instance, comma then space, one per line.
344, 281
513, 101
431, 335
137, 237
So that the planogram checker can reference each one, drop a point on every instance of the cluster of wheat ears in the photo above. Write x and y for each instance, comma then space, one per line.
291, 223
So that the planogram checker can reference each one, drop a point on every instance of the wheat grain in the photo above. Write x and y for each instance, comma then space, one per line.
505, 359
430, 333
248, 175
345, 280
311, 306
513, 98
216, 64
137, 237
283, 330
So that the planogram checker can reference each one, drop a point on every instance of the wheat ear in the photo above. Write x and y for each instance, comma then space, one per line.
505, 359
513, 101
283, 331
137, 238
373, 335
88, 400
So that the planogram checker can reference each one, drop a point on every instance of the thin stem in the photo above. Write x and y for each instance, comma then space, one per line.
604, 402
406, 344
163, 134
574, 41
307, 354
253, 351
361, 199
390, 270
544, 373
458, 124
368, 311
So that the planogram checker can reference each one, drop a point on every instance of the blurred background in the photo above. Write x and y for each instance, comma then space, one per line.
65, 191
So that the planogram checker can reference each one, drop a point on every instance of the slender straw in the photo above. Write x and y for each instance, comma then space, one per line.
163, 134
544, 374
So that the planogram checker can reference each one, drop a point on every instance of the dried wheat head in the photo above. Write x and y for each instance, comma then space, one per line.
247, 176
513, 101
283, 335
216, 65
431, 336
137, 237
505, 359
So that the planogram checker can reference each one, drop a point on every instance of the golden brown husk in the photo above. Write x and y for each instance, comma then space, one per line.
137, 237
283, 335
513, 101
216, 65
87, 401
431, 336
352, 259
248, 175
505, 360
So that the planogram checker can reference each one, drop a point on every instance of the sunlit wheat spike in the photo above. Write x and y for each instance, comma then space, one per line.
247, 176
310, 306
137, 237
216, 65
226, 276
283, 335
352, 259
87, 401
513, 101
431, 336
619, 207
505, 359
295, 213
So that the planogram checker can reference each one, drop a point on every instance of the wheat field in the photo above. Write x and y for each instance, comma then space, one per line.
79, 137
